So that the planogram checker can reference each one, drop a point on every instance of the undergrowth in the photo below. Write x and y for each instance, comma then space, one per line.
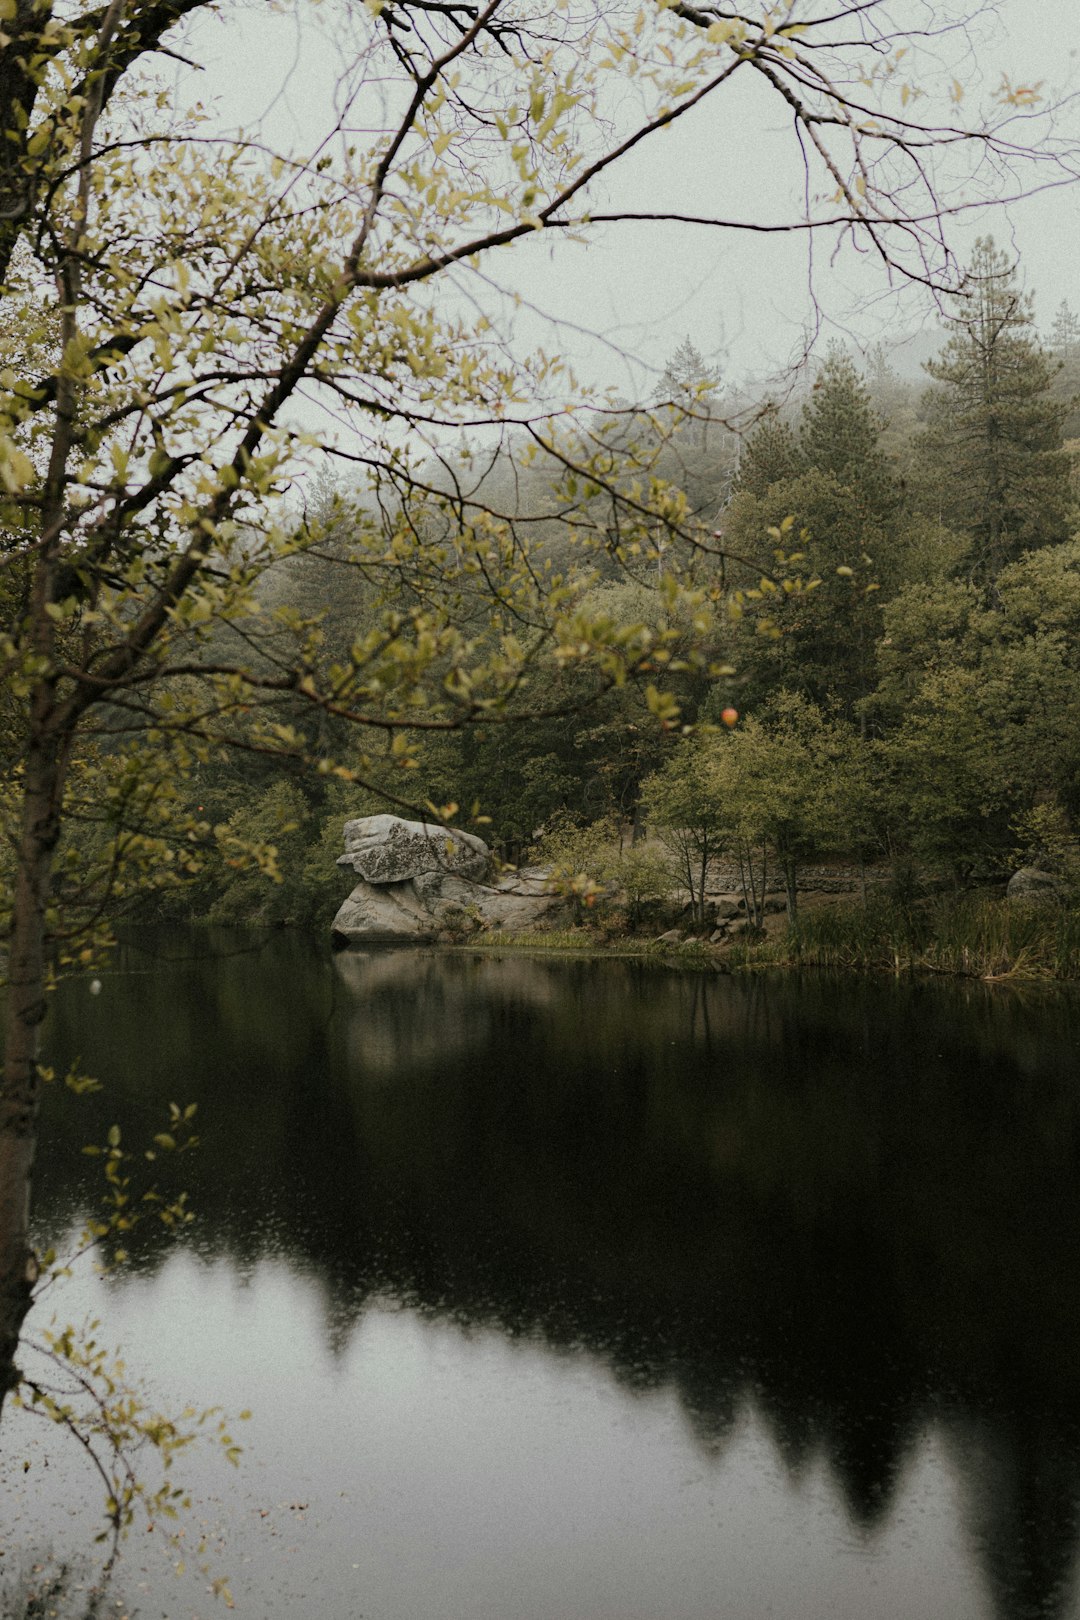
976, 936
973, 936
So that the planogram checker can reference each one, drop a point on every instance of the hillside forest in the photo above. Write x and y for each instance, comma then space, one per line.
875, 656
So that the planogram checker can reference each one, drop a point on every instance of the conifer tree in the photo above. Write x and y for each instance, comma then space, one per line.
993, 460
770, 455
1065, 333
827, 629
1064, 344
699, 447
839, 435
688, 379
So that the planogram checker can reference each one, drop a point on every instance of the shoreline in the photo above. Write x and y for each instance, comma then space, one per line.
971, 939
694, 957
967, 936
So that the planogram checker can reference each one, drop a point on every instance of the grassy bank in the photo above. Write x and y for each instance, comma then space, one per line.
599, 942
967, 936
970, 936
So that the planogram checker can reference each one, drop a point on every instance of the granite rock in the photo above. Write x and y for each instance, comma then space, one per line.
386, 849
434, 902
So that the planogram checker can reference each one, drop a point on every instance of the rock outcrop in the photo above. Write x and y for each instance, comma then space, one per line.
385, 849
420, 883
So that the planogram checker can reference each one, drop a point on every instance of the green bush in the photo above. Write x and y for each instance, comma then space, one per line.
591, 867
644, 874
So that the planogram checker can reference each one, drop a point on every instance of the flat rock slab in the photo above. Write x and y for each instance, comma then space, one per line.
387, 850
517, 911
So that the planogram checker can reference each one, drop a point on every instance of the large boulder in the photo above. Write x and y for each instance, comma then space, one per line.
437, 903
386, 849
1031, 886
419, 882
387, 914
518, 910
517, 902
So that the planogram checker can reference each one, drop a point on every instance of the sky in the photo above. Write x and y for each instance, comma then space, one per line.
623, 303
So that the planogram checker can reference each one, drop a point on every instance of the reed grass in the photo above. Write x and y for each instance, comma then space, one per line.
972, 936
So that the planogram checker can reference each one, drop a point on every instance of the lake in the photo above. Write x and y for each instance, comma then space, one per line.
582, 1290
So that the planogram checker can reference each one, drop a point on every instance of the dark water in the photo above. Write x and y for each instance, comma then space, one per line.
583, 1291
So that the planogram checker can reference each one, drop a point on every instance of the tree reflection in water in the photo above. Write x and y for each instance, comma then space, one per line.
855, 1205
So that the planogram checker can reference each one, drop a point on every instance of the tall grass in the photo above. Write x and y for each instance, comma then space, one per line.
690, 953
554, 939
975, 936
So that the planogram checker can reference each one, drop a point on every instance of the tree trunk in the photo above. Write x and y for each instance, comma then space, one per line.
20, 1087
48, 743
742, 884
791, 887
688, 868
755, 906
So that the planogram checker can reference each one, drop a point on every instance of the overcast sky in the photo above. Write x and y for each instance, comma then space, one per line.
641, 289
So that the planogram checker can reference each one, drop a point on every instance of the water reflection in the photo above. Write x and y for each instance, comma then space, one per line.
853, 1209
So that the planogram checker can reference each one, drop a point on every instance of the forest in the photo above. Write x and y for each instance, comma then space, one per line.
889, 603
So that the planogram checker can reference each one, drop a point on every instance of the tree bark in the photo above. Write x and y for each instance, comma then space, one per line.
21, 1085
791, 886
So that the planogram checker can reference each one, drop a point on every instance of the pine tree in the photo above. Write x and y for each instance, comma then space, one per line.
833, 480
770, 455
992, 456
1064, 344
688, 379
827, 633
700, 448
839, 435
1064, 340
